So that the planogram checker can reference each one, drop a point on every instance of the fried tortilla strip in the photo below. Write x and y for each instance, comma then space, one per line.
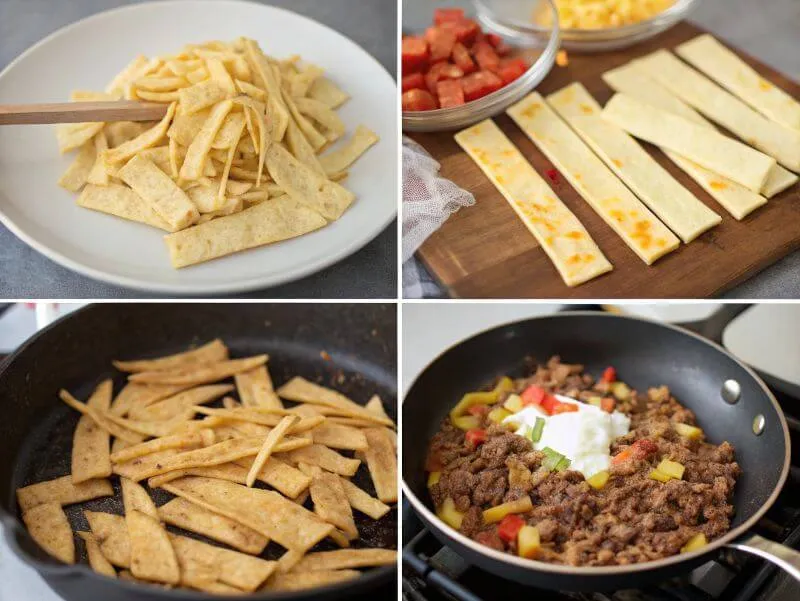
112, 535
198, 150
183, 514
91, 444
178, 404
162, 194
302, 150
288, 560
135, 395
297, 582
327, 92
325, 458
333, 127
62, 491
77, 174
147, 139
142, 467
337, 161
235, 569
270, 443
200, 375
97, 561
265, 78
207, 353
133, 70
120, 132
98, 175
255, 388
363, 502
307, 187
315, 139
120, 201
176, 441
267, 512
279, 219
330, 502
135, 497
301, 390
74, 135
255, 416
346, 558
48, 525
376, 406
200, 96
337, 436
382, 464
152, 555
153, 429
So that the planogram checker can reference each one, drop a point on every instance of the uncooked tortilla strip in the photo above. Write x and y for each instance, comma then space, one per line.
382, 464
295, 581
134, 395
678, 208
327, 92
77, 174
267, 512
325, 458
120, 201
172, 406
184, 514
330, 502
339, 160
302, 391
207, 353
709, 149
152, 555
255, 388
145, 140
197, 152
278, 219
91, 444
726, 68
49, 527
97, 561
346, 558
363, 502
600, 188
62, 491
698, 91
202, 374
74, 135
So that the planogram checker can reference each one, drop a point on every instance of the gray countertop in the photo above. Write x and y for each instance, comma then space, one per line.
369, 273
767, 31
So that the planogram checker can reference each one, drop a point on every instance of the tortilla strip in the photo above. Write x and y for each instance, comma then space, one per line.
183, 514
176, 441
77, 174
325, 458
265, 77
346, 558
382, 464
302, 391
253, 416
298, 582
97, 561
202, 374
146, 139
48, 526
327, 92
152, 555
727, 69
207, 353
332, 125
152, 429
267, 512
302, 150
141, 467
600, 188
337, 436
62, 491
198, 150
709, 149
339, 160
91, 444
135, 497
270, 443
132, 71
288, 560
112, 535
135, 395
255, 388
98, 175
376, 406
74, 135
330, 502
178, 404
361, 501
120, 201
771, 138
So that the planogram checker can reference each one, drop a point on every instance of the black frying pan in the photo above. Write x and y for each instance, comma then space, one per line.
75, 353
645, 354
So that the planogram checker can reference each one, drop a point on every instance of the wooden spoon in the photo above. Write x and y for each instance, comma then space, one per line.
80, 112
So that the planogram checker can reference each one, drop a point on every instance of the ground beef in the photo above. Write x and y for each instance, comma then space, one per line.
632, 519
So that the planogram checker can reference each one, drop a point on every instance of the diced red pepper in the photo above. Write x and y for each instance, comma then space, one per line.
608, 404
552, 175
479, 84
415, 54
509, 527
441, 71
609, 375
644, 447
414, 81
466, 30
442, 15
476, 437
418, 100
533, 395
565, 408
477, 410
462, 59
485, 56
441, 42
511, 69
450, 94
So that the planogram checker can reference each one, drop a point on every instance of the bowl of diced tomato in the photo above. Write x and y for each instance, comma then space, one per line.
456, 74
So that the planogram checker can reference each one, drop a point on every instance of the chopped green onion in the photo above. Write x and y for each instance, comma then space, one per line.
552, 458
563, 464
535, 433
548, 452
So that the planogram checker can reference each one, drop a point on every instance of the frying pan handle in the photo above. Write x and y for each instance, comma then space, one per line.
782, 556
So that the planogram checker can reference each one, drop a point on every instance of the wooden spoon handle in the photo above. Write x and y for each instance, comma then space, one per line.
79, 112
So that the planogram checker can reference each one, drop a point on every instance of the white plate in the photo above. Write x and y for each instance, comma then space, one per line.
87, 54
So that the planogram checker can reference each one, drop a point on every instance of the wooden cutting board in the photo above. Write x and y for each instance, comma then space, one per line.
484, 251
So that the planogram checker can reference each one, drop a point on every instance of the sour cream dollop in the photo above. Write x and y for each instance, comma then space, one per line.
583, 436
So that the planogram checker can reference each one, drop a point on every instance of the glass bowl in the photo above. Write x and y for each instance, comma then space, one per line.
513, 19
538, 48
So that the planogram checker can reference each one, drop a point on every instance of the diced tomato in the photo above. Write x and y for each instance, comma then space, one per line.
476, 437
441, 15
609, 375
475, 409
479, 84
441, 71
608, 404
485, 56
450, 94
441, 42
533, 395
466, 30
622, 456
415, 54
414, 81
462, 59
418, 100
509, 527
498, 44
565, 408
644, 447
549, 402
511, 69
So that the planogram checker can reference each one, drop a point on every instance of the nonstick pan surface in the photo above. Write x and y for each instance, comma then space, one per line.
359, 359
645, 354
